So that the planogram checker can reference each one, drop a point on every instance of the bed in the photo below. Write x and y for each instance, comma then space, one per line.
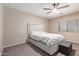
45, 41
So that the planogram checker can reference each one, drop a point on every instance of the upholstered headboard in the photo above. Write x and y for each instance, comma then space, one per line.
34, 27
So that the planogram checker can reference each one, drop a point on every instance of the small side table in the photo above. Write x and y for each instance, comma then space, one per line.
65, 47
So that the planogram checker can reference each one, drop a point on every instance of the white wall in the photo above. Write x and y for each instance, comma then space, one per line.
15, 26
1, 27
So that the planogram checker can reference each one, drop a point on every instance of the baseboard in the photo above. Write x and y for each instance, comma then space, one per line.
72, 42
13, 45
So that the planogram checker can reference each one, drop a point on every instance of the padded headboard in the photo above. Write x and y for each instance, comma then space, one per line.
34, 27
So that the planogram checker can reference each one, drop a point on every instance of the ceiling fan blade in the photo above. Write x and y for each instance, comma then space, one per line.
55, 5
48, 12
47, 9
63, 7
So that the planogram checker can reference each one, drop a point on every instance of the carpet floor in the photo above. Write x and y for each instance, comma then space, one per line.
28, 49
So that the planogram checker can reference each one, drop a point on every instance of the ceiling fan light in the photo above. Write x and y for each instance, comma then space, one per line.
55, 10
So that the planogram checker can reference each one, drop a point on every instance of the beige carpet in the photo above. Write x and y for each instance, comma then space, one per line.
28, 49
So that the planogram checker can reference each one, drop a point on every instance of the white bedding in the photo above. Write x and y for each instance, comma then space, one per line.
47, 38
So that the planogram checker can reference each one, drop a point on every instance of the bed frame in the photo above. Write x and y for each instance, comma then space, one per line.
49, 50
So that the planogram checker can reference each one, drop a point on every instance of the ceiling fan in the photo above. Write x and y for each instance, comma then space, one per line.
55, 6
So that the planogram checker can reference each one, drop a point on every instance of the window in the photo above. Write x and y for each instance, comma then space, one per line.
68, 26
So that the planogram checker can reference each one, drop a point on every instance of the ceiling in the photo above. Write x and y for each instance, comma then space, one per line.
37, 9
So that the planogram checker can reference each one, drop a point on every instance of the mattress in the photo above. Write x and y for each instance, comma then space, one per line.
37, 35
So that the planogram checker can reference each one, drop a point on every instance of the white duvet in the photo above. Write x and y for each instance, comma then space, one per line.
47, 38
